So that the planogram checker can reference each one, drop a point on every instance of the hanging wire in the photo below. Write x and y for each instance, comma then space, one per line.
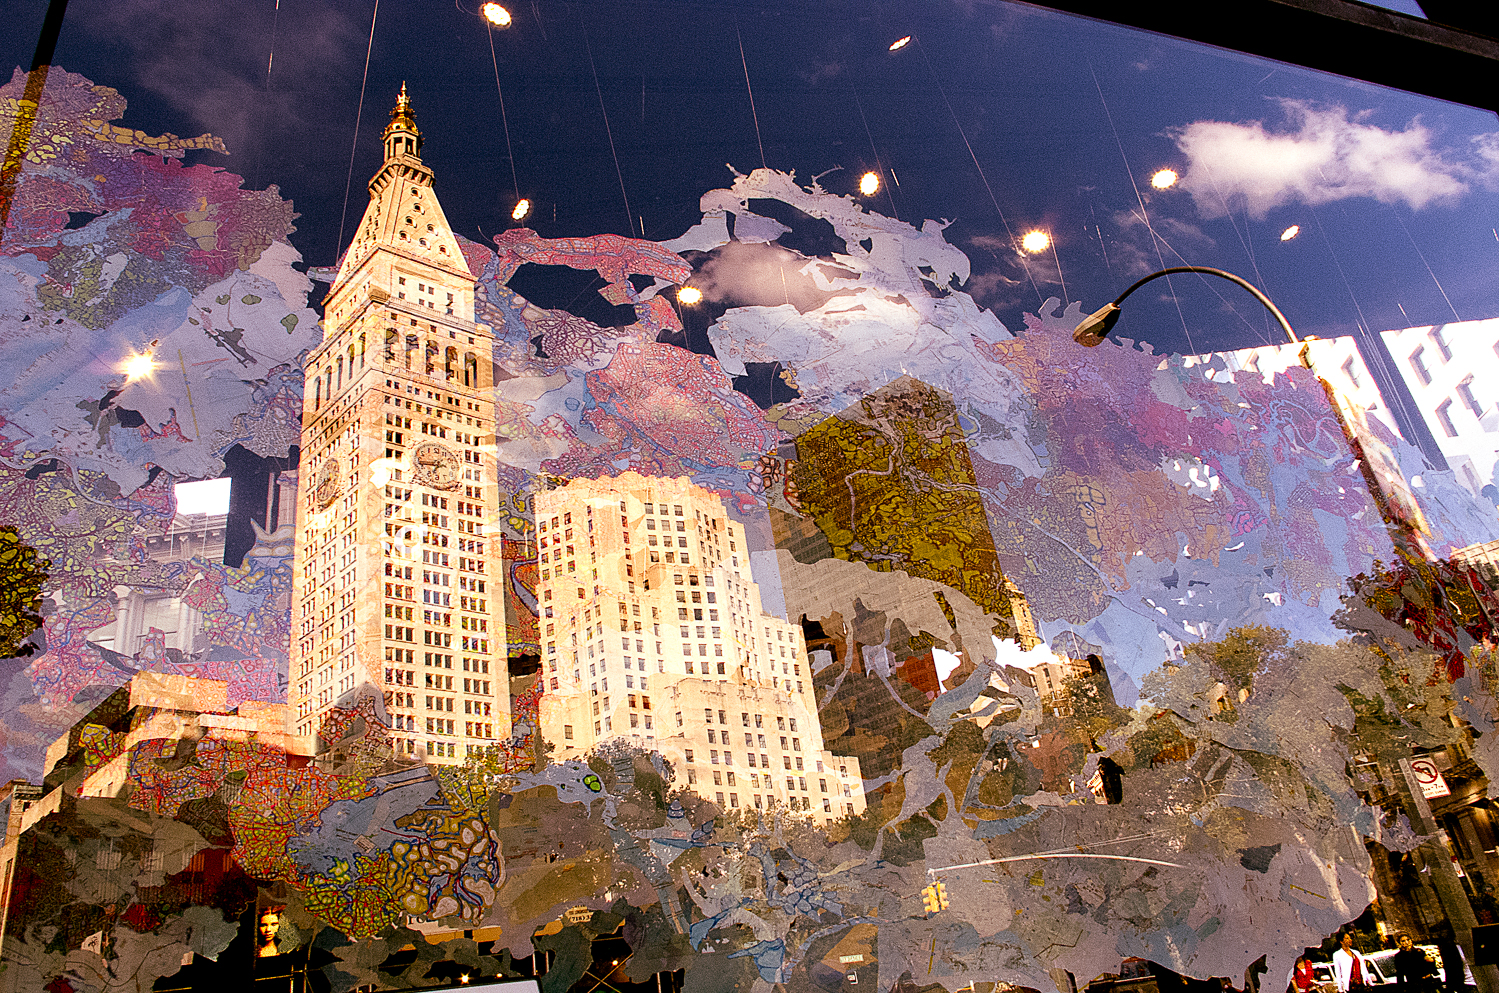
1144, 215
969, 145
269, 62
753, 113
270, 59
494, 61
1395, 396
1060, 278
1422, 257
889, 191
1244, 240
1212, 285
629, 214
354, 147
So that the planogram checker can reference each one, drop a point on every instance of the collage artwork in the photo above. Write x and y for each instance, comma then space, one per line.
943, 503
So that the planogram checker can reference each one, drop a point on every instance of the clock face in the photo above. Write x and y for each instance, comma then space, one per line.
435, 465
325, 487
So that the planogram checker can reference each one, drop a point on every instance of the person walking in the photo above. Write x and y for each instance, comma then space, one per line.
1456, 977
1413, 970
1350, 973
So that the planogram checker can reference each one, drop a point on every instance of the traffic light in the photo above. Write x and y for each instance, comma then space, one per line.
942, 895
929, 899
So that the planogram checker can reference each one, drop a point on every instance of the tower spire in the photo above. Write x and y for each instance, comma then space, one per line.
402, 137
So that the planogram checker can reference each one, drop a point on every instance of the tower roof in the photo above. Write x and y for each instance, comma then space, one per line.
403, 218
403, 122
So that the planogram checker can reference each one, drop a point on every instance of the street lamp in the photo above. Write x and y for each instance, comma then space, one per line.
1451, 896
1096, 326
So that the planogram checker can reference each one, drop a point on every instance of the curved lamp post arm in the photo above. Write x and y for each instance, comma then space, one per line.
1097, 325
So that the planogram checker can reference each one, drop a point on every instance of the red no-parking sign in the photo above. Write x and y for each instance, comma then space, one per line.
1429, 777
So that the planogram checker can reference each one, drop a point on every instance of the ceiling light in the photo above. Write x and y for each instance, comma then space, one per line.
522, 208
869, 184
690, 295
900, 43
1035, 241
496, 15
1164, 179
1290, 232
138, 367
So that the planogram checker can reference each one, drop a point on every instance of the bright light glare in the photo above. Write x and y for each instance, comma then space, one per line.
522, 208
138, 367
1164, 179
1035, 241
690, 295
900, 43
1290, 232
210, 496
869, 184
496, 15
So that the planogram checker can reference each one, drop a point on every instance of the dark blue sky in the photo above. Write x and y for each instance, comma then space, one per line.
1394, 194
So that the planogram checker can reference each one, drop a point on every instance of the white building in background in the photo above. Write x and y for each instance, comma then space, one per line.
645, 584
1453, 372
1337, 360
164, 614
1365, 418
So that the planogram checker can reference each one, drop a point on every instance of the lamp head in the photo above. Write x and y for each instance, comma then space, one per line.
1097, 325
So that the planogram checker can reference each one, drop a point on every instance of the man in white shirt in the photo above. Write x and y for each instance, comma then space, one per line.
1350, 973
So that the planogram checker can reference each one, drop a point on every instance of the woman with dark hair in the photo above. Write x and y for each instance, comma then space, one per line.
1302, 976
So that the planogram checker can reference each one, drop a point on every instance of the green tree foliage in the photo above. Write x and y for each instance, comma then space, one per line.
1243, 653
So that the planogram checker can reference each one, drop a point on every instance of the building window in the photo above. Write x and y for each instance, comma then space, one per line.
567, 732
1439, 340
1465, 394
1418, 365
1444, 417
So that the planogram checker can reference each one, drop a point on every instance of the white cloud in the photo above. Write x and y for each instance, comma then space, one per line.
213, 69
1320, 154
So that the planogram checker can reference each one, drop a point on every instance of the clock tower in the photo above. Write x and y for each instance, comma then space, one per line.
396, 584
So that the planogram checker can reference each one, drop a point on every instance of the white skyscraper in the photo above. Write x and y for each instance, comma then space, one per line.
652, 632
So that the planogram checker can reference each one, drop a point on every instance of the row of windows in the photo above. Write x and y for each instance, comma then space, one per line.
797, 783
744, 717
797, 803
1444, 409
428, 408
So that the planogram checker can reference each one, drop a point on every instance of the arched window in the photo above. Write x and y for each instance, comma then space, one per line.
361, 351
340, 372
390, 344
450, 363
317, 393
470, 370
